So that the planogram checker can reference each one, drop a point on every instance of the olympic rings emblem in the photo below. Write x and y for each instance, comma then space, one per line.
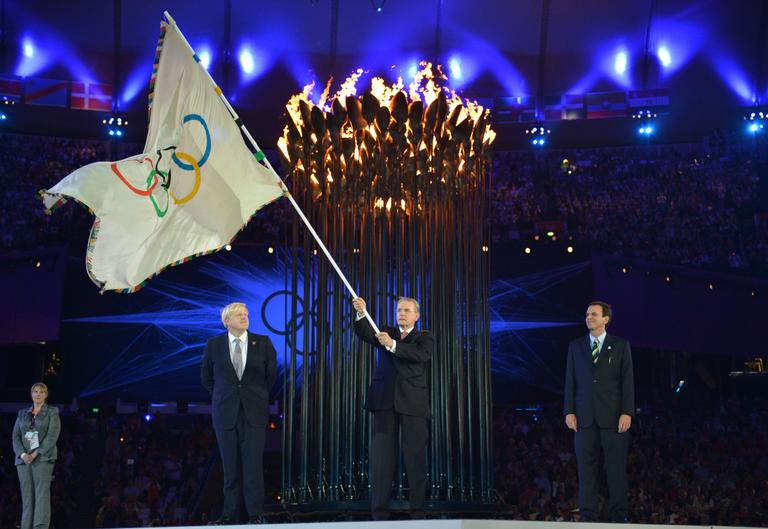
206, 153
183, 160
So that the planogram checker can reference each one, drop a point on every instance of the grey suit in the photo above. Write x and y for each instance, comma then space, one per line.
35, 478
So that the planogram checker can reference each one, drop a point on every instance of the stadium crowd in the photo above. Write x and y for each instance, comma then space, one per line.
702, 464
666, 205
698, 464
119, 471
671, 205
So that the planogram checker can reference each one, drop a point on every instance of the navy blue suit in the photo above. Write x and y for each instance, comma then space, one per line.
598, 393
398, 395
240, 410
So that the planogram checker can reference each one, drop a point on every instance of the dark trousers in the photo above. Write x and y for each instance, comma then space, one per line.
589, 441
35, 481
382, 460
242, 451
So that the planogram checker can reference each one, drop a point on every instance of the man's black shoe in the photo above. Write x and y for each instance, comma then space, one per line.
257, 520
222, 521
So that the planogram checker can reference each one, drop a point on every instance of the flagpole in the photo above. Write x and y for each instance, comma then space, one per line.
279, 180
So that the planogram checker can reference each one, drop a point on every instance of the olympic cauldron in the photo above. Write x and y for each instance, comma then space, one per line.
395, 182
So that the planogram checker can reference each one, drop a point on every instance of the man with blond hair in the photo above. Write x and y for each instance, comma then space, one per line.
238, 369
398, 399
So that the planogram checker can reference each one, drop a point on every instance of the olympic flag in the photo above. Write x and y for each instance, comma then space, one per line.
189, 193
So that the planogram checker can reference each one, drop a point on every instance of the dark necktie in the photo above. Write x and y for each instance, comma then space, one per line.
595, 350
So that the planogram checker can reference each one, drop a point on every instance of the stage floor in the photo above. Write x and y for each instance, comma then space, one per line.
458, 524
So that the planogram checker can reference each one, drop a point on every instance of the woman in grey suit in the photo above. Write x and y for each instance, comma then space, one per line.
34, 443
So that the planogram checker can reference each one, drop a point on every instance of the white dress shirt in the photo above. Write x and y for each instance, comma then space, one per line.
600, 343
361, 315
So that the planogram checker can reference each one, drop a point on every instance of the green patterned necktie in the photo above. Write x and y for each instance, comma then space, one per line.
595, 350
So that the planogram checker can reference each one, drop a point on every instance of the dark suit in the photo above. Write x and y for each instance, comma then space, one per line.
398, 394
240, 414
598, 393
35, 478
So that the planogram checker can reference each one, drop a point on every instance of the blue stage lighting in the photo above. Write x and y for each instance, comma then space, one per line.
114, 125
148, 417
32, 58
3, 117
205, 58
246, 61
454, 65
756, 120
620, 64
28, 48
378, 5
664, 57
413, 69
539, 134
135, 82
647, 126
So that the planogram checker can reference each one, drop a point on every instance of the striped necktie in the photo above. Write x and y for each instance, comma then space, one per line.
595, 350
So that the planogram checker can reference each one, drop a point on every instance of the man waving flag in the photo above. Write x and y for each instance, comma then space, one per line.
191, 190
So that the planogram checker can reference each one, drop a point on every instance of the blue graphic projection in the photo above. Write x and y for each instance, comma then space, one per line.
155, 338
519, 307
169, 331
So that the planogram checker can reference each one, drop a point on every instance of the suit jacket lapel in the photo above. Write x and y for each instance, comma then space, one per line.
607, 349
408, 338
252, 351
586, 349
228, 354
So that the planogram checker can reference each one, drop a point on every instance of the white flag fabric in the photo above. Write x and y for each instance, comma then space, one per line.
189, 193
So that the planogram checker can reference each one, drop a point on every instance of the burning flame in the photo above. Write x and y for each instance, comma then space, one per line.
426, 77
388, 138
348, 87
383, 92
